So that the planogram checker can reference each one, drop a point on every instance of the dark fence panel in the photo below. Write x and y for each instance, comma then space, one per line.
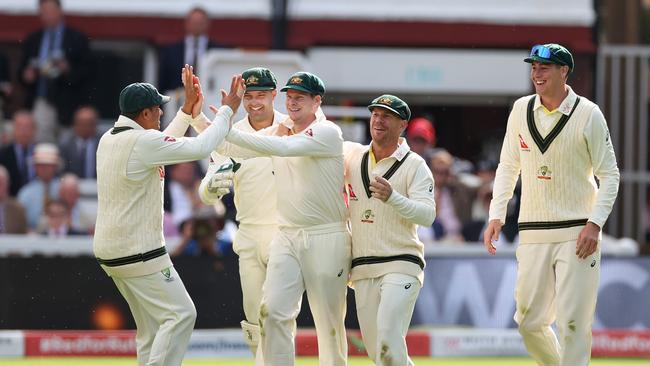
74, 293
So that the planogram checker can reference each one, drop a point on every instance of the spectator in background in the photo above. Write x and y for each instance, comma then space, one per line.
453, 198
57, 218
78, 150
36, 194
17, 156
6, 89
183, 191
54, 70
473, 229
188, 51
201, 235
12, 213
421, 137
486, 170
82, 219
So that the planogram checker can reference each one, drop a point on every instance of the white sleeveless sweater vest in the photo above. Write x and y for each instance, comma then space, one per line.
558, 185
130, 212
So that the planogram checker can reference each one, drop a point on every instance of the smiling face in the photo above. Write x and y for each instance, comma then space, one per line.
259, 105
548, 79
302, 106
385, 127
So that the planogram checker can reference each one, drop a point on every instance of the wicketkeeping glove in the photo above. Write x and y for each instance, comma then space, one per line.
221, 180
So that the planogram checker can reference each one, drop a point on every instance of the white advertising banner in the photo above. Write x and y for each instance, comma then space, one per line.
12, 344
217, 343
535, 12
479, 292
415, 71
476, 342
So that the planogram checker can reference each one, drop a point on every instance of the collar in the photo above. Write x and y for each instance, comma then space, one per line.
202, 39
124, 121
401, 151
564, 107
56, 29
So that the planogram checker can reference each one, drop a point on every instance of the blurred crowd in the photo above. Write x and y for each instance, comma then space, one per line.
47, 152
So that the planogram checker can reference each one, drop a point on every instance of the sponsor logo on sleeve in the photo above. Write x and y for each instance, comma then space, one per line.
352, 195
522, 144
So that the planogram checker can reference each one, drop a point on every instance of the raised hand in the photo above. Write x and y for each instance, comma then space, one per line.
233, 98
192, 89
198, 106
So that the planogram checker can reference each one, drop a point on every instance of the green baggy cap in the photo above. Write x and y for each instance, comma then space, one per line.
138, 96
393, 104
259, 78
551, 53
305, 82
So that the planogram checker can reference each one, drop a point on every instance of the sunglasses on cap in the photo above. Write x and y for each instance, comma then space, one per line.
541, 51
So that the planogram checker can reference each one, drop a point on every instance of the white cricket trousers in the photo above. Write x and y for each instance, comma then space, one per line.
252, 246
553, 284
315, 260
384, 308
164, 315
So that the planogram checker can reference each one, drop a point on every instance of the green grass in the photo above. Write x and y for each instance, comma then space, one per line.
306, 361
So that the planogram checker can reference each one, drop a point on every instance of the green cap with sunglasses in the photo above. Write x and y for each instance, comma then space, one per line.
551, 53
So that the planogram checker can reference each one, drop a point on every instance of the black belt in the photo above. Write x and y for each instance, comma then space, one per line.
402, 257
545, 225
136, 258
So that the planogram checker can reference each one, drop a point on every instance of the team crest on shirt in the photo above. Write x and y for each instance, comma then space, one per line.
522, 144
169, 139
309, 133
544, 173
352, 196
368, 217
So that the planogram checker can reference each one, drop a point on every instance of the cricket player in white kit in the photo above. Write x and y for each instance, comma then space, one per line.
128, 241
556, 141
390, 193
255, 197
311, 251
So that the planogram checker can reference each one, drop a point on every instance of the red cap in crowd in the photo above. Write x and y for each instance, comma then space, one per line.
422, 128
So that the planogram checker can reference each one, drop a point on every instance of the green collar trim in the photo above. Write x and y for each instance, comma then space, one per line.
541, 142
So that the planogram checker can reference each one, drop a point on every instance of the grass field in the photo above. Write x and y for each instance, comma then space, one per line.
307, 361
